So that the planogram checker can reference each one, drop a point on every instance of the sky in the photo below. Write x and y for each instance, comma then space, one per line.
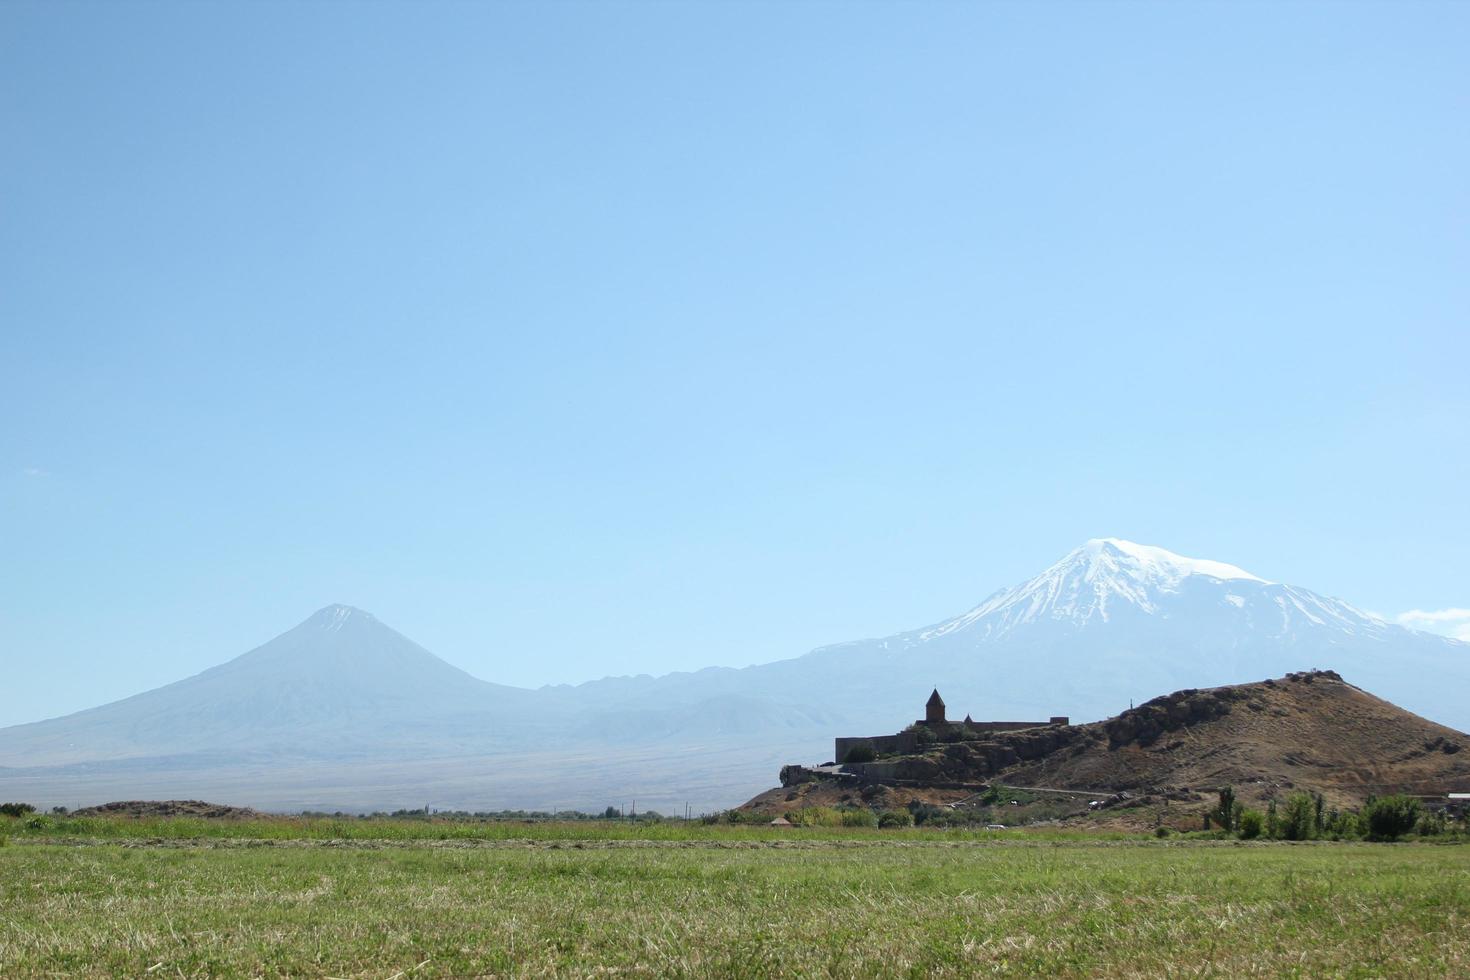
587, 339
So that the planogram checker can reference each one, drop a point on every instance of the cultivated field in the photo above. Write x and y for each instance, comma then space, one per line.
179, 898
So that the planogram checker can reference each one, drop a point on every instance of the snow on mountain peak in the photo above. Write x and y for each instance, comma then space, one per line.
332, 618
1090, 582
1157, 563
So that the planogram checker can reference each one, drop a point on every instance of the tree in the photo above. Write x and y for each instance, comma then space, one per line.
1251, 824
16, 809
1390, 817
1227, 813
1299, 820
861, 752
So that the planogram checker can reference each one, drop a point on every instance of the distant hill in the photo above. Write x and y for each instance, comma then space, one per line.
343, 712
1309, 731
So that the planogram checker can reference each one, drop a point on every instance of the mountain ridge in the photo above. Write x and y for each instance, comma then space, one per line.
1110, 623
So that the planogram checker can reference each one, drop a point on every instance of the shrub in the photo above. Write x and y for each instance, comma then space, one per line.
896, 818
996, 794
859, 817
16, 809
929, 815
1299, 818
1251, 824
1341, 825
1390, 817
815, 816
1431, 824
1161, 832
861, 752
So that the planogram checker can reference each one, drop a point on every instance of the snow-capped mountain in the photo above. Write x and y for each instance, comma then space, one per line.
1109, 577
1114, 622
342, 711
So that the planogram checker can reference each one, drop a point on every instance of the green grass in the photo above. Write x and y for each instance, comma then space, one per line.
727, 902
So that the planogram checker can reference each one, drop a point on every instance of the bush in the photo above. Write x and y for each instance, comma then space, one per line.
1161, 832
1390, 817
1252, 822
1299, 818
1342, 825
815, 816
861, 752
859, 818
16, 809
1430, 825
896, 818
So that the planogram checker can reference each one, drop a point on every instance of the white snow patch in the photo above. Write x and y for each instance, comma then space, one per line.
1158, 561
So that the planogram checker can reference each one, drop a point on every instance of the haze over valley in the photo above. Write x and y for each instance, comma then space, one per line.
343, 712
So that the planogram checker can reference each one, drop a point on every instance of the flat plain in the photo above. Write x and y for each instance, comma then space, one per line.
169, 898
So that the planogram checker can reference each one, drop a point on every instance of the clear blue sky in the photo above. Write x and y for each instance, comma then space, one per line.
585, 339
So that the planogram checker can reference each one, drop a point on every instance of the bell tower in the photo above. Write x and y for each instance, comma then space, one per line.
934, 709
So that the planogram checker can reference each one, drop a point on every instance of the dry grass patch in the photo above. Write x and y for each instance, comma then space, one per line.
848, 911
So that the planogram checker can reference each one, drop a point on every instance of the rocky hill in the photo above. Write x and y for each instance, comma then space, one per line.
1309, 730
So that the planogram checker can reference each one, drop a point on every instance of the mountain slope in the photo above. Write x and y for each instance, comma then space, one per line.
1112, 622
343, 711
1309, 730
339, 683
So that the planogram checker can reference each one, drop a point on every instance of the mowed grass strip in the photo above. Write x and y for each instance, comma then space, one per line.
48, 827
850, 911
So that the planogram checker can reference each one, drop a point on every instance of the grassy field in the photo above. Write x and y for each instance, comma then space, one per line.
579, 899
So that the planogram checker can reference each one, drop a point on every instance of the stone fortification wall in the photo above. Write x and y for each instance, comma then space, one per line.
902, 743
906, 743
1013, 726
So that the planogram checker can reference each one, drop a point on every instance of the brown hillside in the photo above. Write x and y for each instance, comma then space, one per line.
1308, 731
169, 808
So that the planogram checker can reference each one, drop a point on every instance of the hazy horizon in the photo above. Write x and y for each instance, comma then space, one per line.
595, 339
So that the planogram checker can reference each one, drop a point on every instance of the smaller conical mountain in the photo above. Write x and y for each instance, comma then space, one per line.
339, 683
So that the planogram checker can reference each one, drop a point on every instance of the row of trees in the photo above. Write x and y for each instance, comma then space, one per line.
1305, 816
